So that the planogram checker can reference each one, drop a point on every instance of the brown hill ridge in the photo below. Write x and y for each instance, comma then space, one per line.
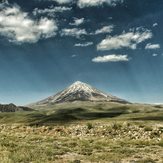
13, 108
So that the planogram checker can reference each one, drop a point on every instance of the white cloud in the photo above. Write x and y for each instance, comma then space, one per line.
74, 55
4, 2
62, 1
152, 46
111, 58
73, 32
105, 29
91, 3
125, 40
84, 44
18, 27
77, 21
154, 55
155, 24
88, 3
51, 11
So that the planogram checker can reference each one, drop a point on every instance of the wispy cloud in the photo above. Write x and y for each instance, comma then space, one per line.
154, 55
73, 56
77, 21
88, 3
125, 40
111, 58
73, 32
62, 1
105, 29
51, 11
84, 44
152, 46
91, 3
18, 27
155, 24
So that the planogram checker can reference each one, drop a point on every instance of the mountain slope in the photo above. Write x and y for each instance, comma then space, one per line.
80, 91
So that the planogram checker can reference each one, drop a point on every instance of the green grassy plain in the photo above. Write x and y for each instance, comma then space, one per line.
83, 132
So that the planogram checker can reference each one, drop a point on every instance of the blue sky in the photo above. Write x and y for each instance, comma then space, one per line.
114, 45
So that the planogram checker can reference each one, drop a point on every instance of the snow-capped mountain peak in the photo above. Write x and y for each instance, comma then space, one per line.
80, 86
80, 91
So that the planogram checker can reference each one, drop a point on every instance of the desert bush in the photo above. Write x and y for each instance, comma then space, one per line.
89, 126
116, 126
148, 128
161, 143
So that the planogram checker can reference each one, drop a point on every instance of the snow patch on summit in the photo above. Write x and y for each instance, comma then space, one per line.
80, 86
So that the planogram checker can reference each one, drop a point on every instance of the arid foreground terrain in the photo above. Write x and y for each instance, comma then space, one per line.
83, 132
